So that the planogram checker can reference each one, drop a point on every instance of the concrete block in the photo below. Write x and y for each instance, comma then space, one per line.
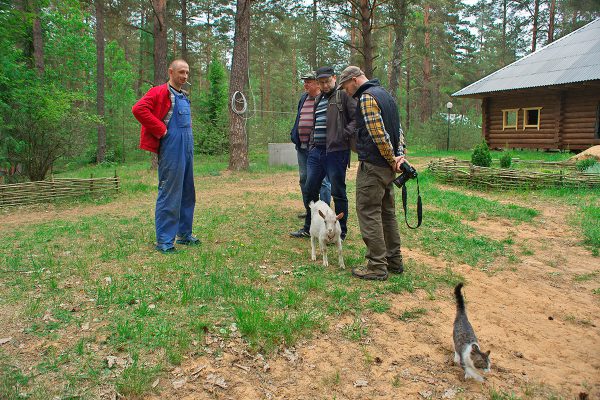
282, 154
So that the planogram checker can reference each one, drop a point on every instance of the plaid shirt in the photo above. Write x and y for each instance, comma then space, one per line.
374, 122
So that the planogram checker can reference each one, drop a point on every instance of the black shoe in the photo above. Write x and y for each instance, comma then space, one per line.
396, 270
302, 215
170, 250
190, 241
300, 233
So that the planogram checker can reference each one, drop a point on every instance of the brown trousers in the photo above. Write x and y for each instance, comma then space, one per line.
376, 213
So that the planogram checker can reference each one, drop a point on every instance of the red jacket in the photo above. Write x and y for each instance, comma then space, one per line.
150, 110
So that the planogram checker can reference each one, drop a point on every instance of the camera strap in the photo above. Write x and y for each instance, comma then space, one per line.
419, 206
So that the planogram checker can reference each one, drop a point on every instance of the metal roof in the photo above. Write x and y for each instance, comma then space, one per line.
572, 58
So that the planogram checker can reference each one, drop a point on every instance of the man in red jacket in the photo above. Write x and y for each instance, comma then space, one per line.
164, 113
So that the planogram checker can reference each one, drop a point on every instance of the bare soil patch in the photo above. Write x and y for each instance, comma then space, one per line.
538, 318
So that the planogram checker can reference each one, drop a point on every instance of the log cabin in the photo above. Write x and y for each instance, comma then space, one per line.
549, 99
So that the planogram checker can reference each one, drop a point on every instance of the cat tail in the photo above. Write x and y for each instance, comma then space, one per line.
460, 302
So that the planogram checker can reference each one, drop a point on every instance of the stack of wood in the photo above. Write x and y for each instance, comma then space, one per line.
44, 191
462, 171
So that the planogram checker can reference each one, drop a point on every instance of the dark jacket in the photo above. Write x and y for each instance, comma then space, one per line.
341, 112
294, 135
365, 146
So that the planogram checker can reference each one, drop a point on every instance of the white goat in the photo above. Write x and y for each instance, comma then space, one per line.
325, 227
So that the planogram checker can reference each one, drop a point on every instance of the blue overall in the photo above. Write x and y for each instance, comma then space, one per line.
176, 193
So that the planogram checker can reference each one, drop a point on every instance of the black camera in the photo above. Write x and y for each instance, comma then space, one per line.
408, 173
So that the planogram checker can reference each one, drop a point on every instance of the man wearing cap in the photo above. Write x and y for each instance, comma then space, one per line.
379, 144
300, 134
329, 145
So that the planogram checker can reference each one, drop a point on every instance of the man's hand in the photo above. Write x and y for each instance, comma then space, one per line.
399, 161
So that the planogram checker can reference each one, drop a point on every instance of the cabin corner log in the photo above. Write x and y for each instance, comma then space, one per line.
57, 188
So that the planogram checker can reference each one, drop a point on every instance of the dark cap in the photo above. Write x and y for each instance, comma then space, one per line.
349, 73
309, 76
325, 72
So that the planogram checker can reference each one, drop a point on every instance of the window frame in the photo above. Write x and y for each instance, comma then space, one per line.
525, 119
505, 119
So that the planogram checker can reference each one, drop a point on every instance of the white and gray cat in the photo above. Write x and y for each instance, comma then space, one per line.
467, 351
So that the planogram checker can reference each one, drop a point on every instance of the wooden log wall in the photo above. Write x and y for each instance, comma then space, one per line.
568, 119
44, 191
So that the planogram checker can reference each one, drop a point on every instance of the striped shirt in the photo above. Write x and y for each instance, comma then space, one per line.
320, 132
306, 121
374, 122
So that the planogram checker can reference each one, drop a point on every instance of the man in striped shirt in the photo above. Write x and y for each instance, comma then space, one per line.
380, 148
301, 131
329, 147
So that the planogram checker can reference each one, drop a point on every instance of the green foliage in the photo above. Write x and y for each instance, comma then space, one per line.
586, 164
212, 133
433, 134
481, 155
506, 160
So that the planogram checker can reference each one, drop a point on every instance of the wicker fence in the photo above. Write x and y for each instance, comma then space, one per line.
44, 191
461, 171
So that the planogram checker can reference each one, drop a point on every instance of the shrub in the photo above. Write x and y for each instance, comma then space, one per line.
481, 155
585, 164
505, 160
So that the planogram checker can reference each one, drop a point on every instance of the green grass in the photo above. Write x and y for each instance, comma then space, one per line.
248, 279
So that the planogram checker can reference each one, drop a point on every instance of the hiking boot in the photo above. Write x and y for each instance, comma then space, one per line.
189, 241
370, 275
396, 270
302, 215
300, 233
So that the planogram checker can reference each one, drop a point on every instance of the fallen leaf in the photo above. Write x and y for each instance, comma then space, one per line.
155, 383
217, 380
5, 340
426, 394
111, 360
449, 394
179, 383
361, 383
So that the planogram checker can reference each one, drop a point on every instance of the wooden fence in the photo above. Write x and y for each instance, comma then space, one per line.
461, 171
44, 191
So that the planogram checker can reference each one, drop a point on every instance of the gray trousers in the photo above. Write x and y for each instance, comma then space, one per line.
376, 213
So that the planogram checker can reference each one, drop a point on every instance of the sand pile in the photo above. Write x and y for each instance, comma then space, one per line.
592, 152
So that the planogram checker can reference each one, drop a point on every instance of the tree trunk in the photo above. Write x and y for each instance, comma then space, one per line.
536, 8
504, 32
101, 150
184, 50
160, 51
367, 39
313, 44
551, 21
38, 44
408, 90
426, 89
399, 15
142, 58
238, 141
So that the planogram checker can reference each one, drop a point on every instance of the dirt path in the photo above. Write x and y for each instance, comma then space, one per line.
539, 317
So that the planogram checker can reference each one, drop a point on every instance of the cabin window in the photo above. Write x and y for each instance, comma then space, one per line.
509, 118
532, 117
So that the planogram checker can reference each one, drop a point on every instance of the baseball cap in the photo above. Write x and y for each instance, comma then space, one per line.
310, 75
349, 73
325, 72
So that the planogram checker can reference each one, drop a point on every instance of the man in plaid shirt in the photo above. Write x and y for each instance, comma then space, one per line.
380, 148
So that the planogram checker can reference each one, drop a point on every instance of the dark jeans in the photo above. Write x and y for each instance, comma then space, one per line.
325, 191
333, 165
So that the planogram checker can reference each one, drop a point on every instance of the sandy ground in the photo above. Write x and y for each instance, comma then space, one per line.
538, 318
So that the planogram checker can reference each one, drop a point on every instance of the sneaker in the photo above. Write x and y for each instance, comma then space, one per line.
302, 215
365, 273
169, 250
190, 241
300, 233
